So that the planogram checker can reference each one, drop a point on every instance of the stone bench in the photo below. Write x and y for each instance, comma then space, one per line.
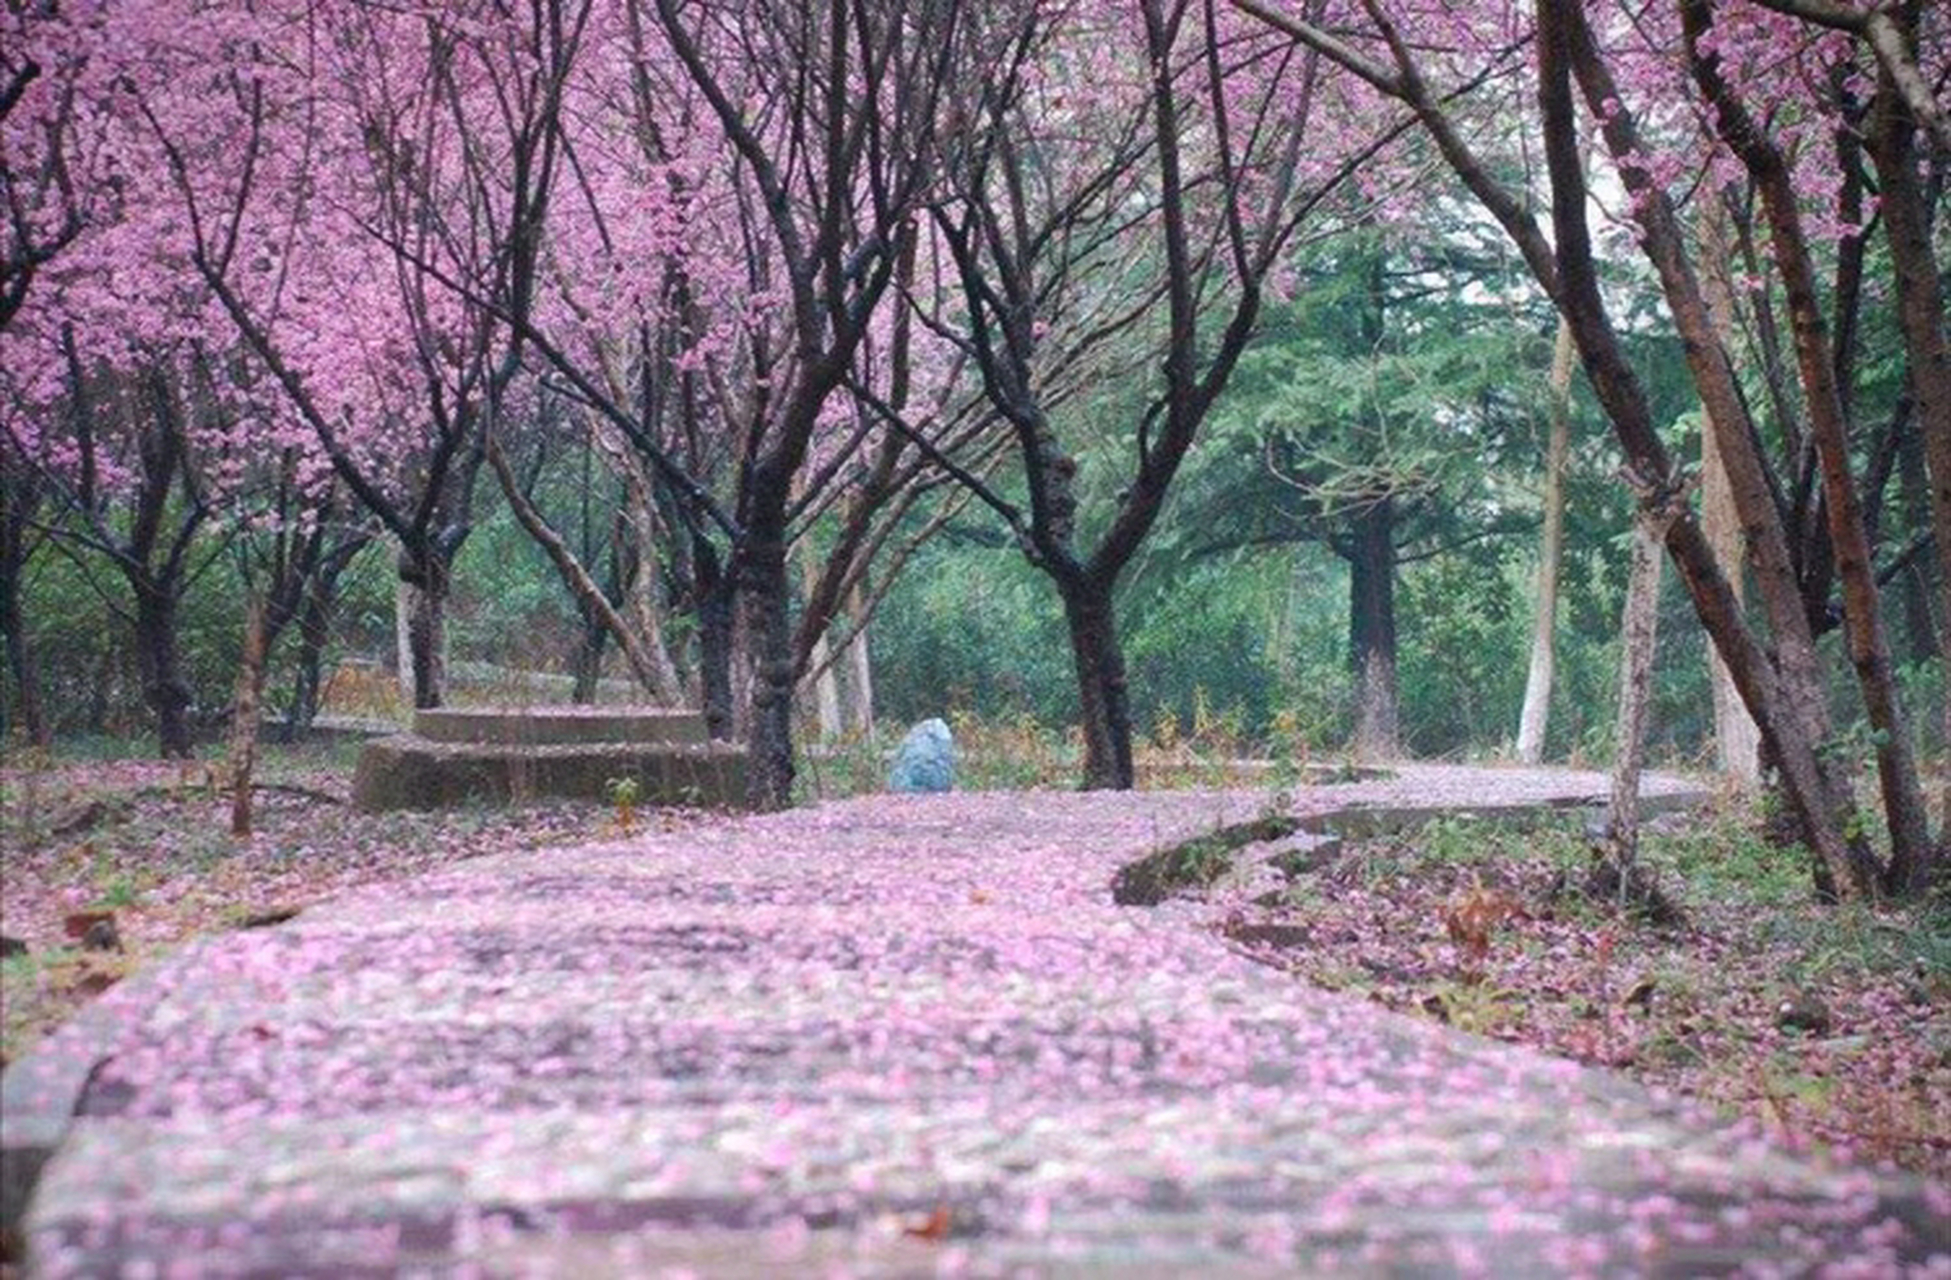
459, 754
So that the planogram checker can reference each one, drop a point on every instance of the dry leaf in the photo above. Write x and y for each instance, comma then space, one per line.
936, 1227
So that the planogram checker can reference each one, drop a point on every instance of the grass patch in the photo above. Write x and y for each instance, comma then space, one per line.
1820, 1023
149, 841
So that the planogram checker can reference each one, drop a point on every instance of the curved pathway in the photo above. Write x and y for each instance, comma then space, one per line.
894, 1036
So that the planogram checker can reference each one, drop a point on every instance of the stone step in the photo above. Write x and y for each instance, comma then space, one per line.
409, 772
552, 725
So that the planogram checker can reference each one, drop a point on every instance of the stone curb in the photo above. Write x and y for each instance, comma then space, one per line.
39, 1092
1362, 820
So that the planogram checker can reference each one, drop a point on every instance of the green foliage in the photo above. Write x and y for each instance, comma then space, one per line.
1465, 643
118, 893
509, 608
623, 793
972, 626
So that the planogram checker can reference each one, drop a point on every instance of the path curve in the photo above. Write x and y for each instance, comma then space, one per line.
893, 1036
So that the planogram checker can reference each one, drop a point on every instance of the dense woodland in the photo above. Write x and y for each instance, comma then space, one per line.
1301, 375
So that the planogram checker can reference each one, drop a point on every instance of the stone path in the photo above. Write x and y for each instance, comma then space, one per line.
898, 1036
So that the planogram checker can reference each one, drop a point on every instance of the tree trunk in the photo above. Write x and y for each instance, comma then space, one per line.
637, 579
1921, 630
1829, 430
713, 588
1781, 686
1104, 707
423, 607
23, 666
244, 717
313, 619
1869, 649
586, 660
1737, 741
402, 642
1536, 715
591, 600
828, 712
20, 495
1372, 631
163, 689
96, 720
766, 626
1920, 312
1640, 636
859, 667
21, 660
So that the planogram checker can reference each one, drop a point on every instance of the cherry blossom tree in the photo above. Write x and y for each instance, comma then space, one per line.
321, 165
1122, 186
738, 229
50, 74
49, 69
135, 420
126, 486
1910, 142
1668, 93
291, 540
22, 495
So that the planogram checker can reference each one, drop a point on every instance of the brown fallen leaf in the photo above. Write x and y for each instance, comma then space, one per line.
936, 1227
265, 919
93, 983
95, 930
1471, 916
76, 924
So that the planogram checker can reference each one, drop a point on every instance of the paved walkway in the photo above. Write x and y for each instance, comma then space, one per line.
897, 1036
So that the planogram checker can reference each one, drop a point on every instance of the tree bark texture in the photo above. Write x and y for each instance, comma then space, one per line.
423, 613
823, 681
23, 667
244, 717
1737, 741
857, 664
1906, 217
1372, 630
1639, 636
20, 498
764, 593
1922, 630
712, 590
1104, 701
1535, 717
1869, 648
157, 659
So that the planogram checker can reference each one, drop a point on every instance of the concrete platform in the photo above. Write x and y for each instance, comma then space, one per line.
456, 755
556, 725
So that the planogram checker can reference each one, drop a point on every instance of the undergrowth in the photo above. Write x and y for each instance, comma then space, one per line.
1822, 1024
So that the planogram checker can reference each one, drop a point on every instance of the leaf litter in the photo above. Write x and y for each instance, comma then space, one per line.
1825, 1025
